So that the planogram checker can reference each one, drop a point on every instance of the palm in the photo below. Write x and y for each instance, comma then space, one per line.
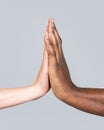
42, 79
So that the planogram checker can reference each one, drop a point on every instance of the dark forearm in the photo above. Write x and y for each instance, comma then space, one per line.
86, 99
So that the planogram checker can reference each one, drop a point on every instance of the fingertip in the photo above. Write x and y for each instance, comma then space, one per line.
51, 20
51, 23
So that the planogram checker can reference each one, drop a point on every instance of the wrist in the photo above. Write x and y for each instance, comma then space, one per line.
66, 91
39, 88
35, 91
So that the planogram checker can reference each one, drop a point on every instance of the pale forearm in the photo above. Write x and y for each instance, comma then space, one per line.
86, 99
15, 96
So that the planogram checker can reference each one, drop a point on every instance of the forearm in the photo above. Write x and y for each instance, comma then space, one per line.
15, 96
86, 99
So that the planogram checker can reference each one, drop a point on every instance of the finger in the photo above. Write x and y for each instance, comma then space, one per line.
50, 31
53, 39
52, 25
59, 43
57, 34
49, 47
48, 27
58, 38
51, 53
55, 46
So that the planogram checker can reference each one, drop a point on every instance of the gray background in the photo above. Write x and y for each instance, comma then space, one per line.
22, 27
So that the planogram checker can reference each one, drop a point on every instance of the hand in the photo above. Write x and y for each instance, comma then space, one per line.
42, 81
18, 95
58, 71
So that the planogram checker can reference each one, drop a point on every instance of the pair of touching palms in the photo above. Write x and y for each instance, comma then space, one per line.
54, 74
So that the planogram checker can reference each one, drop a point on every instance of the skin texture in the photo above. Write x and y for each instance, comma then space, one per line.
90, 100
15, 96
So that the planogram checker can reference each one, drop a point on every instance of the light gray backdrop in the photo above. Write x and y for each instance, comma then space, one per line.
22, 27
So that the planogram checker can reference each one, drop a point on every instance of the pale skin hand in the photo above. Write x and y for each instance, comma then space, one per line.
86, 99
15, 96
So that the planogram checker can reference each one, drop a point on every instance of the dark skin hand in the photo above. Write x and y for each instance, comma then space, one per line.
90, 100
